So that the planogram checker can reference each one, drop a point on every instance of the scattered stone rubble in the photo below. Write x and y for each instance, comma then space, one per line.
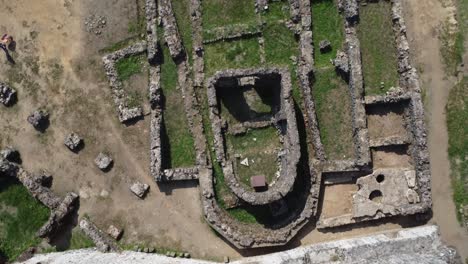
114, 232
139, 189
102, 241
120, 96
39, 119
95, 24
7, 94
103, 161
341, 62
73, 141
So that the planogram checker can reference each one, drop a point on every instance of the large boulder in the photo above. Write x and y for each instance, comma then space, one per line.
139, 189
39, 119
73, 141
103, 161
7, 94
325, 46
341, 63
11, 154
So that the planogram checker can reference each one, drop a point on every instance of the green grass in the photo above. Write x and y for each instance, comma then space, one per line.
231, 54
379, 53
80, 240
278, 10
457, 125
327, 24
261, 147
280, 44
21, 216
182, 13
180, 140
218, 13
129, 66
333, 104
452, 43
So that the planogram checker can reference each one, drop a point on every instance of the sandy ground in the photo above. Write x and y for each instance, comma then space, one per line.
58, 67
423, 18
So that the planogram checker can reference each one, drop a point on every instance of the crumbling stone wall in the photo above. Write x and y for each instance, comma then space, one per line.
171, 31
291, 147
125, 113
151, 13
102, 241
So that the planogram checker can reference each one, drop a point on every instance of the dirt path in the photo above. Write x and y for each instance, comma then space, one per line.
423, 19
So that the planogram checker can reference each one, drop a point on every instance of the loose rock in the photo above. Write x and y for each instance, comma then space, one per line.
73, 141
39, 119
114, 232
139, 189
7, 94
103, 161
325, 46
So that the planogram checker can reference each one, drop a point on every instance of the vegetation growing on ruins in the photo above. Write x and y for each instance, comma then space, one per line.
379, 54
218, 13
127, 67
333, 104
260, 147
457, 113
222, 55
328, 25
79, 240
177, 135
457, 125
182, 13
330, 91
20, 218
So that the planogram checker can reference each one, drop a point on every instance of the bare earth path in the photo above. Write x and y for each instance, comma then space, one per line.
423, 19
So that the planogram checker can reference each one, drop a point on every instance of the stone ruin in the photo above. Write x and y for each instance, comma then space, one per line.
403, 191
284, 120
38, 187
7, 94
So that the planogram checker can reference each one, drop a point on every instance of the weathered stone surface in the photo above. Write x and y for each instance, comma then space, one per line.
7, 94
103, 161
59, 216
415, 245
39, 119
10, 154
114, 232
285, 122
7, 168
325, 46
37, 190
139, 189
341, 62
125, 113
351, 10
73, 141
100, 239
171, 31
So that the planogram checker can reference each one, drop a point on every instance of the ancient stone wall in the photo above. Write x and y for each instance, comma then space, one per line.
125, 113
291, 147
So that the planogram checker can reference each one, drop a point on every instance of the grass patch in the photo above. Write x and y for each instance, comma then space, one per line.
457, 125
182, 13
327, 24
260, 146
80, 240
218, 13
333, 104
242, 53
179, 139
378, 47
129, 66
21, 216
280, 44
278, 10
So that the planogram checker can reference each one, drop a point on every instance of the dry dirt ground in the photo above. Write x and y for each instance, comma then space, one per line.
423, 20
58, 67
